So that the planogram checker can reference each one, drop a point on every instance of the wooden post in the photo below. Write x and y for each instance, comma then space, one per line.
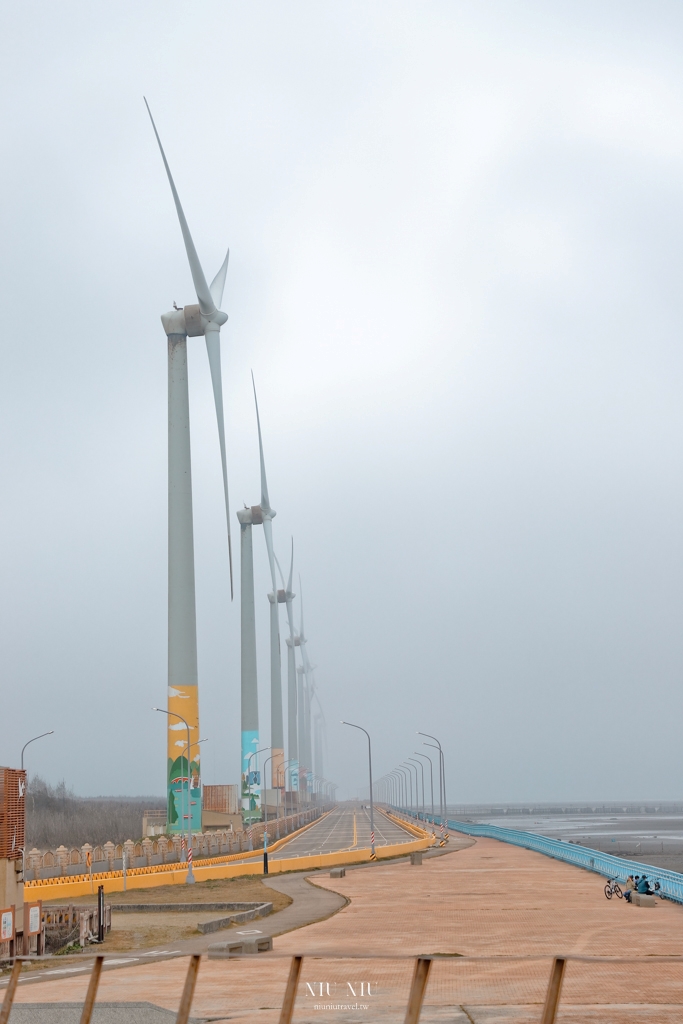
188, 991
287, 1011
9, 992
552, 996
86, 1013
417, 989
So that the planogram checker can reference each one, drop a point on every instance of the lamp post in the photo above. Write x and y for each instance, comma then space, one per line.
33, 740
431, 777
372, 808
423, 780
398, 778
442, 779
404, 777
50, 733
283, 766
410, 769
253, 754
190, 877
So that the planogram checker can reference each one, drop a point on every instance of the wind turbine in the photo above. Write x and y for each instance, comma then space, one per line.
276, 597
250, 787
292, 643
304, 700
192, 321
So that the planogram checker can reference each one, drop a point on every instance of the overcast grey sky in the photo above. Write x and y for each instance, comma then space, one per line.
455, 234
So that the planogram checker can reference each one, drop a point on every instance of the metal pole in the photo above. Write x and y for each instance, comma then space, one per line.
23, 849
422, 769
174, 714
372, 808
410, 769
431, 777
50, 733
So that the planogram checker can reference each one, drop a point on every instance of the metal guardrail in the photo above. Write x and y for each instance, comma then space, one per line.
605, 864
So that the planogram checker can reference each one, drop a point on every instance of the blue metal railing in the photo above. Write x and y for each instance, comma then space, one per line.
606, 864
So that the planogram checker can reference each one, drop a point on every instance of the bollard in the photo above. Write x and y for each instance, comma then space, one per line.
287, 1011
552, 996
188, 990
417, 989
92, 990
100, 913
9, 992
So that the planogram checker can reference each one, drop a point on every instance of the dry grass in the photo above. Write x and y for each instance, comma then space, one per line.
149, 930
215, 890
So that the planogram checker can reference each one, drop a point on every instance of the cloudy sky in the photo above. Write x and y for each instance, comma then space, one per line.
455, 233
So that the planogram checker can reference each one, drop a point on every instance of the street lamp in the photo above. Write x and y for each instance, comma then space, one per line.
50, 733
442, 778
422, 769
411, 768
372, 808
431, 777
172, 714
253, 754
404, 777
23, 849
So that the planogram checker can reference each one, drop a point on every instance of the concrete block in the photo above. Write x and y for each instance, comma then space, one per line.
416, 857
639, 899
226, 950
337, 872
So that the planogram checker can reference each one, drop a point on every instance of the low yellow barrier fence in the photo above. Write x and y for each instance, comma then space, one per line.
409, 826
176, 874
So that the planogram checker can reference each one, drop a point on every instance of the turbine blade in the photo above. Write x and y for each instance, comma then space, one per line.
268, 531
206, 303
218, 283
265, 501
291, 570
280, 571
213, 349
301, 627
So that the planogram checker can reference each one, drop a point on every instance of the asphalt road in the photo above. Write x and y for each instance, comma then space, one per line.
345, 828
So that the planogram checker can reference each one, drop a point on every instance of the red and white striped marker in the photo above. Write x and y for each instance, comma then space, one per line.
372, 839
189, 854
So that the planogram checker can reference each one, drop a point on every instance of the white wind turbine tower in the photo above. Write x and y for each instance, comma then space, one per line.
276, 597
206, 319
304, 694
292, 643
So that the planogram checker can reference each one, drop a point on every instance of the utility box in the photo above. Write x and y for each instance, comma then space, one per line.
416, 857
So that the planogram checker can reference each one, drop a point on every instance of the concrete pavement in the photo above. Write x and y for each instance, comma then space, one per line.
493, 914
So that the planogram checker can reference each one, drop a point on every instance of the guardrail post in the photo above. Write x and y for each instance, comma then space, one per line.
9, 992
417, 989
552, 996
92, 990
287, 1011
188, 990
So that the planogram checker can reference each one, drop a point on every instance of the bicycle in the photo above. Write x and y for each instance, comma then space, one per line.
612, 888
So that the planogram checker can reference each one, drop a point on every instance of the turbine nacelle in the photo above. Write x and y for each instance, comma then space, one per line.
191, 321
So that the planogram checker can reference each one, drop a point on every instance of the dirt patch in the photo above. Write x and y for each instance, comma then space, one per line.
147, 930
215, 890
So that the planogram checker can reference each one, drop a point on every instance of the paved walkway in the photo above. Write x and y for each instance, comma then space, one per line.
488, 900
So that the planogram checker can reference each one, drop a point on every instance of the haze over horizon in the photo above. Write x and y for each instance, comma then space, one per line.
455, 234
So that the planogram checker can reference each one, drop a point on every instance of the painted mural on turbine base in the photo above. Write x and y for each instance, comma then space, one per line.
183, 701
251, 778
